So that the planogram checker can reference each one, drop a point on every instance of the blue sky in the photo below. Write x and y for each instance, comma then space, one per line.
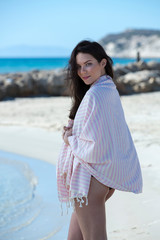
63, 23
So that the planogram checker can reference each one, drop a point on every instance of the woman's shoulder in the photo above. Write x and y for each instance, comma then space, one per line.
102, 95
101, 91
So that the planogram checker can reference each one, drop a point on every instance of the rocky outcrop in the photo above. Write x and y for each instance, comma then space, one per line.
132, 78
131, 41
138, 82
137, 77
35, 83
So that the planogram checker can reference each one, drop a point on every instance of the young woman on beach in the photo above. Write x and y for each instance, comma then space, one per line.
98, 153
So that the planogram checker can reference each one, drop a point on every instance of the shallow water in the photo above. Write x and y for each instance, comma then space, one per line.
29, 207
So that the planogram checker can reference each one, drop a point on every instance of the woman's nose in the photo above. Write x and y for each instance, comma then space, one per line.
83, 69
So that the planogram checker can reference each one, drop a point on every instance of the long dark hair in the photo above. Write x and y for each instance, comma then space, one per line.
77, 87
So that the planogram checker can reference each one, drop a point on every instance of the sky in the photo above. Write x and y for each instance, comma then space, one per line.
63, 23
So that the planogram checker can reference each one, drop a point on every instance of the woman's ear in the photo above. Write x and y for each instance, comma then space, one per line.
103, 62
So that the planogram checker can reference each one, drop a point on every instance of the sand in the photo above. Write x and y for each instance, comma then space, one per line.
32, 127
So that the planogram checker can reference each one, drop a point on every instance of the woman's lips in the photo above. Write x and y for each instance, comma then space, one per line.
85, 78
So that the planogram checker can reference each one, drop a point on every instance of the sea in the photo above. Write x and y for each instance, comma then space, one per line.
29, 206
12, 65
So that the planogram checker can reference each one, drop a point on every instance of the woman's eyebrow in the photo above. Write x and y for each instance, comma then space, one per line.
86, 61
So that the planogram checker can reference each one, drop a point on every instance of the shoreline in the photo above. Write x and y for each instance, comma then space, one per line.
31, 142
43, 205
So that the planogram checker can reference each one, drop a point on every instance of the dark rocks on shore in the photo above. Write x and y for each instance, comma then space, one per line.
137, 77
34, 83
132, 78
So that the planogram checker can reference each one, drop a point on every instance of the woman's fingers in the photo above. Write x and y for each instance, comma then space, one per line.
66, 131
69, 132
66, 128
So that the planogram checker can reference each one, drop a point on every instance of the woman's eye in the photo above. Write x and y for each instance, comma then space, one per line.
88, 64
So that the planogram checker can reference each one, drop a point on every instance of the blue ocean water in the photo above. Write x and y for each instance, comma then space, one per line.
8, 65
29, 206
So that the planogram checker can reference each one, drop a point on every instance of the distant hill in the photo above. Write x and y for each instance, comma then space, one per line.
127, 43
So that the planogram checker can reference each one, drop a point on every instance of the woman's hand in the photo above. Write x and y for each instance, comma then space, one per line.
66, 133
64, 130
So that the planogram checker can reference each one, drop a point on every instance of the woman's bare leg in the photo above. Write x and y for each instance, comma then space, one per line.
74, 229
91, 218
110, 193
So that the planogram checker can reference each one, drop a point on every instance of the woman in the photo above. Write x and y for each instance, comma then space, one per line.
98, 153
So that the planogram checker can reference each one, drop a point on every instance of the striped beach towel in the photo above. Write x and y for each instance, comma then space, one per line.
101, 145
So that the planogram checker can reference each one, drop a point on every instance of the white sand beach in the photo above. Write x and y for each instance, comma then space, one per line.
32, 127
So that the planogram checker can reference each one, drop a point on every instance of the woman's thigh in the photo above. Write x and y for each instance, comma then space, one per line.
91, 218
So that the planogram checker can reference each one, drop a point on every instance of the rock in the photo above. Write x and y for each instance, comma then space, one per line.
1, 82
132, 78
140, 81
56, 84
120, 70
138, 76
155, 83
132, 67
153, 65
136, 66
35, 71
142, 87
142, 65
25, 85
2, 93
11, 90
121, 87
40, 82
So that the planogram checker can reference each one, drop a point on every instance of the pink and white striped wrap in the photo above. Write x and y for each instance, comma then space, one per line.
101, 145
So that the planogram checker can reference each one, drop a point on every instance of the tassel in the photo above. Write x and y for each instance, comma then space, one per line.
80, 199
61, 209
67, 209
86, 201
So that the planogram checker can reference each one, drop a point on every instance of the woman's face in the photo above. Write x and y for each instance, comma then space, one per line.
88, 68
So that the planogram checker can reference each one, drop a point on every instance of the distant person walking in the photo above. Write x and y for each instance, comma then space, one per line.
98, 154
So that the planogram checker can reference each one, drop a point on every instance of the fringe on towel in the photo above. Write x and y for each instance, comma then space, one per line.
71, 203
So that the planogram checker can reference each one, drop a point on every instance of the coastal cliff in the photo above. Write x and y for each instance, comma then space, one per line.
131, 41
